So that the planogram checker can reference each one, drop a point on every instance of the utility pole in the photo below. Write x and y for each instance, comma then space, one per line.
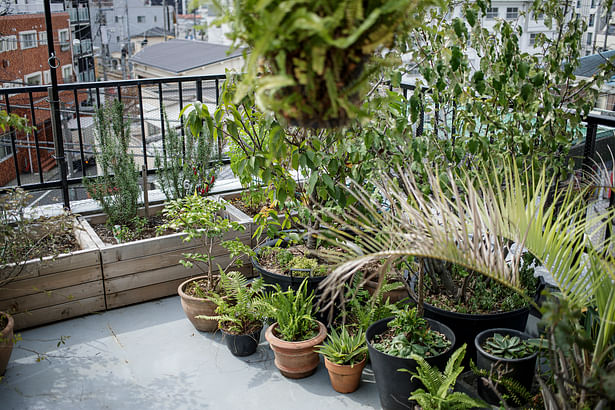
126, 56
164, 18
104, 39
606, 32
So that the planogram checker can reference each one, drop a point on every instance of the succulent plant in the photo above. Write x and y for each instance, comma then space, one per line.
507, 346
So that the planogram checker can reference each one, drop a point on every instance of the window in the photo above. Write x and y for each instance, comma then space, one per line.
33, 79
512, 13
155, 19
67, 73
27, 39
591, 20
140, 19
589, 39
42, 38
492, 12
593, 4
46, 77
64, 39
578, 4
117, 19
5, 145
117, 39
532, 39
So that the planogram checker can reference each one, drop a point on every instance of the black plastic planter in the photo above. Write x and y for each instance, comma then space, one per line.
395, 387
521, 370
466, 326
242, 345
285, 282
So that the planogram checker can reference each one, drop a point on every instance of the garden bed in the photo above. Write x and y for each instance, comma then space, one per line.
148, 269
57, 288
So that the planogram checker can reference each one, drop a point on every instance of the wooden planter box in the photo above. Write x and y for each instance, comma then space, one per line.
149, 269
59, 288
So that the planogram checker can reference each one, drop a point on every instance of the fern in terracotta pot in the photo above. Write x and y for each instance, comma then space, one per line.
309, 61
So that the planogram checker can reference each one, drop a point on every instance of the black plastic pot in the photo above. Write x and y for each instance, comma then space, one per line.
395, 387
242, 345
466, 326
285, 282
521, 370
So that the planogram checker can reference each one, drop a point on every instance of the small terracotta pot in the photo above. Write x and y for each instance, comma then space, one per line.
296, 360
196, 306
6, 342
344, 377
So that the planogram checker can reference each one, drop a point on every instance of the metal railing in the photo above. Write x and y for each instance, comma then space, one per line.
145, 101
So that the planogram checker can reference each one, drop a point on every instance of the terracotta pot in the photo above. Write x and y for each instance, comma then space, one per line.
196, 306
394, 295
344, 377
6, 342
296, 360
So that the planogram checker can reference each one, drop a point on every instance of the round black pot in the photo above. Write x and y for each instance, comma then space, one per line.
521, 370
394, 387
285, 282
466, 326
242, 345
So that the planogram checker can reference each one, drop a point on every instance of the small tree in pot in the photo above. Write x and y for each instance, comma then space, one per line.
201, 219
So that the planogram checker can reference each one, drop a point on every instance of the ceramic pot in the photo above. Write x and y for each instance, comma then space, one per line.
296, 360
242, 345
196, 306
6, 342
521, 370
344, 377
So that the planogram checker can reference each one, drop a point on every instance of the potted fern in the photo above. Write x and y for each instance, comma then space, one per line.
310, 61
295, 333
345, 357
393, 342
504, 354
236, 313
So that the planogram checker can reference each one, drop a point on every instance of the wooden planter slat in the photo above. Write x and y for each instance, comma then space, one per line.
150, 292
57, 288
62, 311
149, 269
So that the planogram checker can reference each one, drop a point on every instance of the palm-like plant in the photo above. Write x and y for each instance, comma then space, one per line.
472, 222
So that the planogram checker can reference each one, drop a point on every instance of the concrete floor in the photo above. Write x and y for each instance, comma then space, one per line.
149, 356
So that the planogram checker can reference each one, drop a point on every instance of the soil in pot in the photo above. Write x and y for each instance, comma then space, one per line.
519, 367
345, 378
296, 360
141, 228
243, 344
192, 293
394, 387
6, 340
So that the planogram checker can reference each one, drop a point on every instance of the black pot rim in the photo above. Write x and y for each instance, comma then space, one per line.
388, 319
502, 330
261, 269
225, 333
454, 315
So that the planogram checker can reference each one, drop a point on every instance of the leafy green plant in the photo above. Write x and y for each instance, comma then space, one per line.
295, 265
361, 309
439, 394
410, 335
117, 189
129, 233
292, 311
314, 53
201, 219
344, 347
236, 310
184, 165
507, 346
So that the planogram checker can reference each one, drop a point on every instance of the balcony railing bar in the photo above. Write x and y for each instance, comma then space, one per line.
36, 141
79, 132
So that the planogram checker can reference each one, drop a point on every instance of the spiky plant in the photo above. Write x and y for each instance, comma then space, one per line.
439, 394
514, 391
471, 222
343, 347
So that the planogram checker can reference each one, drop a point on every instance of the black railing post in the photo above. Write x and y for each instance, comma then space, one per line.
199, 90
54, 101
590, 145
